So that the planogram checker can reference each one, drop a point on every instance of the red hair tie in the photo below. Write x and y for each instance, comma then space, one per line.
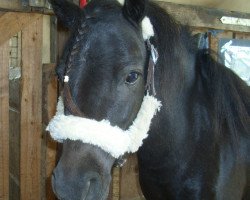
83, 3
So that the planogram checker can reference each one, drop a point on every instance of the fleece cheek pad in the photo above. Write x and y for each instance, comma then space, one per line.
111, 139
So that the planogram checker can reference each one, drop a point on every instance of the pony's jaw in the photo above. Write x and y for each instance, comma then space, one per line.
82, 175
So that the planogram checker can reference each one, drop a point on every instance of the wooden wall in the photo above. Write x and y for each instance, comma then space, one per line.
23, 144
43, 6
26, 5
4, 120
10, 4
230, 5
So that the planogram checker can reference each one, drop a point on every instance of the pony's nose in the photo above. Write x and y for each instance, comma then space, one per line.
87, 187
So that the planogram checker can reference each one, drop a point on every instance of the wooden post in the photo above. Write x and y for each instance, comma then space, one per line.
49, 108
129, 180
4, 121
31, 111
116, 183
10, 4
11, 23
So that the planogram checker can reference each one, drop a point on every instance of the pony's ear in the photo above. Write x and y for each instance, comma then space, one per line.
135, 10
68, 13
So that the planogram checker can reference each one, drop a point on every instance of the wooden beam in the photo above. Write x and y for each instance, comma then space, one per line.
34, 6
4, 121
230, 5
50, 95
31, 111
197, 16
114, 188
203, 17
12, 22
116, 172
10, 4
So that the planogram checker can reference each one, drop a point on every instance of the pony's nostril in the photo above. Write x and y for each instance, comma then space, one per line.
93, 188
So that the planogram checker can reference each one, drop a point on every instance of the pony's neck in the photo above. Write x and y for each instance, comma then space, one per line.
177, 51
175, 77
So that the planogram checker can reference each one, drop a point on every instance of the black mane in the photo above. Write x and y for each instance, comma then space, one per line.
229, 98
202, 135
226, 96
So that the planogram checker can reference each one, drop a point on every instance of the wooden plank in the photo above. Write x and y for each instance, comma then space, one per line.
14, 137
231, 5
36, 6
12, 22
62, 38
46, 39
10, 4
53, 39
116, 183
50, 95
214, 40
114, 188
1, 13
243, 36
31, 111
129, 185
4, 121
203, 17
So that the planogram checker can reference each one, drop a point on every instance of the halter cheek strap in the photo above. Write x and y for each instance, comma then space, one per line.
153, 57
69, 103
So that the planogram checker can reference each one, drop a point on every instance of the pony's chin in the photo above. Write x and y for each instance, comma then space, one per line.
93, 189
89, 193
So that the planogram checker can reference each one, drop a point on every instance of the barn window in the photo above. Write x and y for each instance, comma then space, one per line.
236, 56
15, 57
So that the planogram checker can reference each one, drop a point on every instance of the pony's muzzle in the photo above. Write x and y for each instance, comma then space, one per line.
88, 187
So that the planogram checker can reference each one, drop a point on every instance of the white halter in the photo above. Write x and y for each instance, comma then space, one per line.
111, 139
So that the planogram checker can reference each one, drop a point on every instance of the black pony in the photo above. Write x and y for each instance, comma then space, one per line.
199, 143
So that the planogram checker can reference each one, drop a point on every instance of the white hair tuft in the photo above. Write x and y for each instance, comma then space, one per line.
121, 2
147, 28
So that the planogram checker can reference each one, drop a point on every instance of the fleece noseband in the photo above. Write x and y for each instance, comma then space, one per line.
111, 139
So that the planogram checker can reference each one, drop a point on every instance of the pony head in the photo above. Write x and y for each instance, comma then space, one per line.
104, 70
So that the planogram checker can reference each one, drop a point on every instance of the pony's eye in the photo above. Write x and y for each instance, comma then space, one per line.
132, 77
